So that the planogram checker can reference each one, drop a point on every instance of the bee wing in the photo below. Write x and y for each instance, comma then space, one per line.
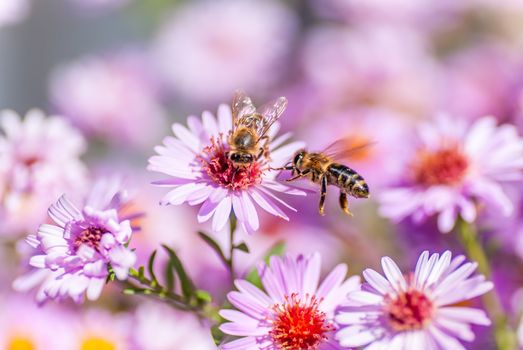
271, 112
346, 148
241, 106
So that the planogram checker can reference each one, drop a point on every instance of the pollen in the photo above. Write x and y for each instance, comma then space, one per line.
222, 171
20, 343
299, 324
408, 311
443, 167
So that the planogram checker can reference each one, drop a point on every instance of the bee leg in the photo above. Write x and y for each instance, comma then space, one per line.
323, 194
298, 175
344, 203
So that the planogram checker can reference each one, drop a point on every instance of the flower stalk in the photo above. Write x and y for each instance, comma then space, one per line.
503, 333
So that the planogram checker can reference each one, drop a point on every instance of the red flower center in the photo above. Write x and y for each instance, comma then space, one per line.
443, 167
299, 324
222, 171
409, 310
90, 236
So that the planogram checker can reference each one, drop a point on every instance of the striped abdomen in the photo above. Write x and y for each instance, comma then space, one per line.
345, 178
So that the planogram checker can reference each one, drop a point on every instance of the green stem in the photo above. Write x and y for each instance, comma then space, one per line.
232, 229
503, 333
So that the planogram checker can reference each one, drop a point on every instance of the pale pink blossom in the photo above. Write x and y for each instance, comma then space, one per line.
202, 174
207, 49
455, 168
418, 311
113, 97
39, 160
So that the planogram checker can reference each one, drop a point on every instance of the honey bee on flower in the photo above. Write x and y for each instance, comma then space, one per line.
224, 164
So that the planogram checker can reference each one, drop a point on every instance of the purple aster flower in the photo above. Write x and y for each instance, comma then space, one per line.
79, 249
455, 168
294, 311
201, 173
414, 312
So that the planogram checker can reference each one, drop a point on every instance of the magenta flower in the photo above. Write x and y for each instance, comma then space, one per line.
414, 312
79, 249
294, 311
455, 168
201, 173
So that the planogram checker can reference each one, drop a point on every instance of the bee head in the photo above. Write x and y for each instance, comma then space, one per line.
298, 157
360, 190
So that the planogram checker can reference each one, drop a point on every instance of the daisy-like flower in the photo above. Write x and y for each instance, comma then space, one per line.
201, 173
79, 249
455, 168
39, 160
419, 311
294, 311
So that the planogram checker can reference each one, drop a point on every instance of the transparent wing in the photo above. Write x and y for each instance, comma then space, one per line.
271, 112
241, 106
347, 148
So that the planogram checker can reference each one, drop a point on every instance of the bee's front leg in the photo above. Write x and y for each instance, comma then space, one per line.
323, 194
344, 203
298, 174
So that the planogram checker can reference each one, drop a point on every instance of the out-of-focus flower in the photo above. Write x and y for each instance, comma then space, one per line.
483, 80
111, 97
210, 48
421, 14
414, 312
24, 325
196, 159
98, 329
456, 167
13, 11
294, 312
347, 68
39, 160
80, 247
158, 328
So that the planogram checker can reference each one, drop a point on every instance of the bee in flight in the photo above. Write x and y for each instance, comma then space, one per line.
249, 139
321, 168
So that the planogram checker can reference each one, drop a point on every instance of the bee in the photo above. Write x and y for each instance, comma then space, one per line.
321, 168
249, 139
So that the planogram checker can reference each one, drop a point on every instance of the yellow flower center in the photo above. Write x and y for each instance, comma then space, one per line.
20, 343
97, 344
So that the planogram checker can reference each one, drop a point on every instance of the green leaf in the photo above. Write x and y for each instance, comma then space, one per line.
150, 268
214, 246
169, 276
277, 249
217, 334
243, 247
185, 281
141, 272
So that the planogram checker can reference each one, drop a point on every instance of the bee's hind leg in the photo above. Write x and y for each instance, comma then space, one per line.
323, 194
344, 203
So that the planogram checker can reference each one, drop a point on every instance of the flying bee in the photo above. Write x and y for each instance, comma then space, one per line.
248, 139
321, 168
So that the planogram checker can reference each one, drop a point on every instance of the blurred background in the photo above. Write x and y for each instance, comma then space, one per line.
122, 71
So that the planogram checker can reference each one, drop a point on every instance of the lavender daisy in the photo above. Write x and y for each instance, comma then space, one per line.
201, 173
79, 249
455, 168
294, 311
415, 312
